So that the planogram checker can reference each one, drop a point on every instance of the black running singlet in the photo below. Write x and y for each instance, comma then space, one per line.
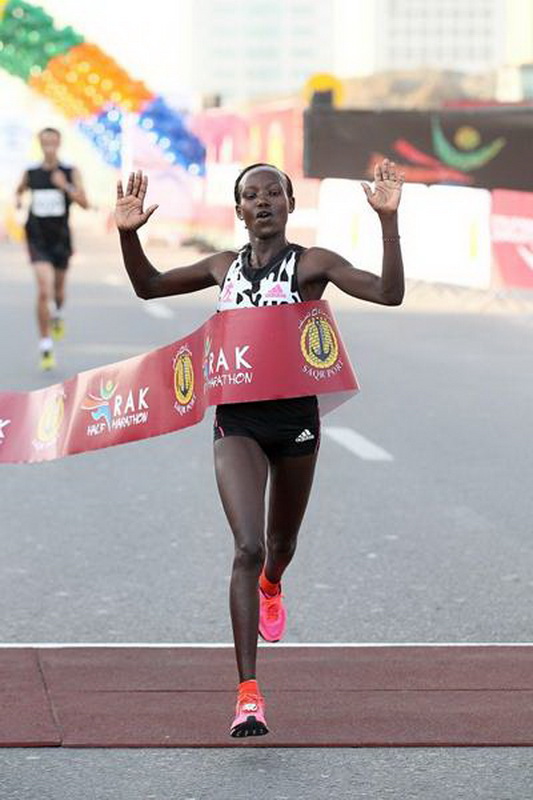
47, 229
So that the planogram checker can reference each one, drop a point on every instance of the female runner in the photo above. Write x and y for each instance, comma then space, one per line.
273, 439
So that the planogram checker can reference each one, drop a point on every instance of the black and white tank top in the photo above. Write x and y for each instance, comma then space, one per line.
272, 285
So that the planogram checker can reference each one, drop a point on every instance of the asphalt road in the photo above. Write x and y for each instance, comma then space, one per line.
129, 544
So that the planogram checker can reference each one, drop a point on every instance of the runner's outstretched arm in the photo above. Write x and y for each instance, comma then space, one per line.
320, 266
147, 281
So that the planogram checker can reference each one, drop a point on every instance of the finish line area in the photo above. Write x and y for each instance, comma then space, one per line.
318, 695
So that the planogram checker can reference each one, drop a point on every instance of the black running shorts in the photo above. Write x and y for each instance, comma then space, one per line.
288, 427
48, 241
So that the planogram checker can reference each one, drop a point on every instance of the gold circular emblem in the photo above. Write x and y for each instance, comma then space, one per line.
183, 378
319, 343
51, 419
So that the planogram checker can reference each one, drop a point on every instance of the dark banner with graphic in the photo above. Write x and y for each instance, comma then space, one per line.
488, 148
236, 356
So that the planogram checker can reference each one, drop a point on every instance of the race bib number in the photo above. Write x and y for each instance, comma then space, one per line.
48, 203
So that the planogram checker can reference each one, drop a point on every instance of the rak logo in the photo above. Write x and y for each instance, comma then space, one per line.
227, 367
112, 410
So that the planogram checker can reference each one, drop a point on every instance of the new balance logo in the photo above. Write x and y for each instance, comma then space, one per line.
305, 436
250, 707
3, 424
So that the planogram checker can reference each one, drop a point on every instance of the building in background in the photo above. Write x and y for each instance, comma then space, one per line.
464, 35
247, 50
253, 49
259, 48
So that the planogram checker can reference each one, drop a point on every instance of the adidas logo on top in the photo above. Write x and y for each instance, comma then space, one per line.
305, 436
276, 291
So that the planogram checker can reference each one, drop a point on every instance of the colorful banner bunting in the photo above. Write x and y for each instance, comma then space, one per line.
90, 87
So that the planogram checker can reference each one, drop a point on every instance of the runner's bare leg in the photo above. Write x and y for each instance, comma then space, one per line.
241, 470
291, 479
60, 276
44, 275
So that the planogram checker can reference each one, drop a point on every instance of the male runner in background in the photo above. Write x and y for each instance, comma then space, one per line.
53, 186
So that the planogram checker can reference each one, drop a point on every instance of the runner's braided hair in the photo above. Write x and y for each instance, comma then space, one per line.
240, 176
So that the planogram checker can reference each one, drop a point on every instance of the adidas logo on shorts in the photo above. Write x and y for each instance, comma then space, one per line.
305, 436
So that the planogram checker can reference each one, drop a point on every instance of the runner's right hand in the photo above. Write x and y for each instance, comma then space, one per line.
129, 214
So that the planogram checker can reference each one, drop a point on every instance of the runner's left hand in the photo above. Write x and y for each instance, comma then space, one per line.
385, 198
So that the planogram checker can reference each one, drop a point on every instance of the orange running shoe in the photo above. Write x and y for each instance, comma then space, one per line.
272, 616
249, 714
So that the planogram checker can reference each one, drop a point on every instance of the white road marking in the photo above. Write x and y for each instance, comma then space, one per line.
228, 645
357, 444
158, 310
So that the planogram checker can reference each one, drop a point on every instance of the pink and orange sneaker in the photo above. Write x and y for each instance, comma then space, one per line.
249, 713
272, 616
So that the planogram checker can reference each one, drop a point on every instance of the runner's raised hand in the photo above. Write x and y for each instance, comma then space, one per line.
129, 214
385, 198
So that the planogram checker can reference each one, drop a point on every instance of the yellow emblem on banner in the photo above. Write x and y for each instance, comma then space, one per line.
51, 419
318, 342
183, 377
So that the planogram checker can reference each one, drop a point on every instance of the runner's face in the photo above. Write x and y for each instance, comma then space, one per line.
264, 205
50, 142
